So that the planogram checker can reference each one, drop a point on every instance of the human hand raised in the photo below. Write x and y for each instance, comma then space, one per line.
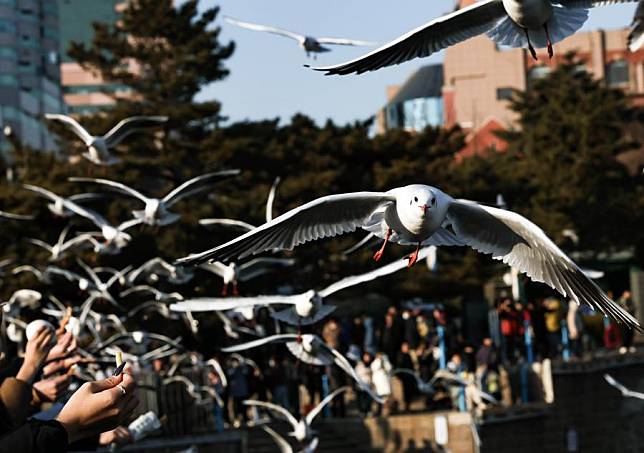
35, 355
99, 406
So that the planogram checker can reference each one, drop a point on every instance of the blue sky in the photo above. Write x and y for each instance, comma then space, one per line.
268, 79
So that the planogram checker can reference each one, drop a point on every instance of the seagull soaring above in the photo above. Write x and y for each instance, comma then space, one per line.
98, 146
57, 207
156, 209
514, 23
309, 44
311, 349
423, 215
635, 38
301, 428
307, 308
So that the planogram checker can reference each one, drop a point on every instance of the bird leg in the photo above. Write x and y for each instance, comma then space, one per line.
413, 257
224, 290
379, 253
530, 48
235, 289
548, 42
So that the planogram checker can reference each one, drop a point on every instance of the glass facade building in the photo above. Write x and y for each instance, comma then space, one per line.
418, 103
29, 69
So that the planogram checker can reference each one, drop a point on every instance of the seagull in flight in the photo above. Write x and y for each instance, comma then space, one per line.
156, 211
98, 146
423, 215
309, 44
514, 23
311, 349
57, 207
307, 308
285, 447
234, 273
158, 267
62, 248
301, 428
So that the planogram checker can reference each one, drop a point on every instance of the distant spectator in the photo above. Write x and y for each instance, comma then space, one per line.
552, 317
509, 325
389, 336
575, 328
331, 333
410, 330
363, 370
238, 379
408, 382
381, 370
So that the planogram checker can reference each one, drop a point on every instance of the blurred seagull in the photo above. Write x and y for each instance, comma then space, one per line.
22, 298
159, 296
156, 267
308, 308
58, 208
311, 349
635, 38
197, 392
114, 236
514, 23
309, 44
156, 209
623, 390
301, 428
62, 248
98, 146
233, 273
285, 447
423, 215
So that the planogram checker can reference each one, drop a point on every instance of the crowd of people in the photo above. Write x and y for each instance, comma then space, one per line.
419, 340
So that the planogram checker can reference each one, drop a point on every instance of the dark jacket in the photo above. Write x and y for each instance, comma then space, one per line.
35, 436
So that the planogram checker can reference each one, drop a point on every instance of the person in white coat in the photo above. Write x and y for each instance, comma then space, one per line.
381, 376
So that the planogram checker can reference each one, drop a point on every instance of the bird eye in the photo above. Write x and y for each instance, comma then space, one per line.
433, 201
416, 199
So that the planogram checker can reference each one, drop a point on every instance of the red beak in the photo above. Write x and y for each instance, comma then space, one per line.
424, 208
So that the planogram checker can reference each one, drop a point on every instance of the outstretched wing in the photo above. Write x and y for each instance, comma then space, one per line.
116, 186
345, 42
261, 342
228, 303
227, 223
130, 125
427, 39
274, 408
317, 409
189, 187
380, 272
73, 125
321, 218
265, 28
516, 241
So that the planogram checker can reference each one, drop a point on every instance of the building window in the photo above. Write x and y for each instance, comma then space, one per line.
536, 73
8, 53
504, 94
7, 80
617, 73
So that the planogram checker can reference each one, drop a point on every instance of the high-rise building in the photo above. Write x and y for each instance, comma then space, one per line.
84, 91
29, 69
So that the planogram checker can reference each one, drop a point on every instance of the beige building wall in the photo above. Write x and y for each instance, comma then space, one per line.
476, 69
